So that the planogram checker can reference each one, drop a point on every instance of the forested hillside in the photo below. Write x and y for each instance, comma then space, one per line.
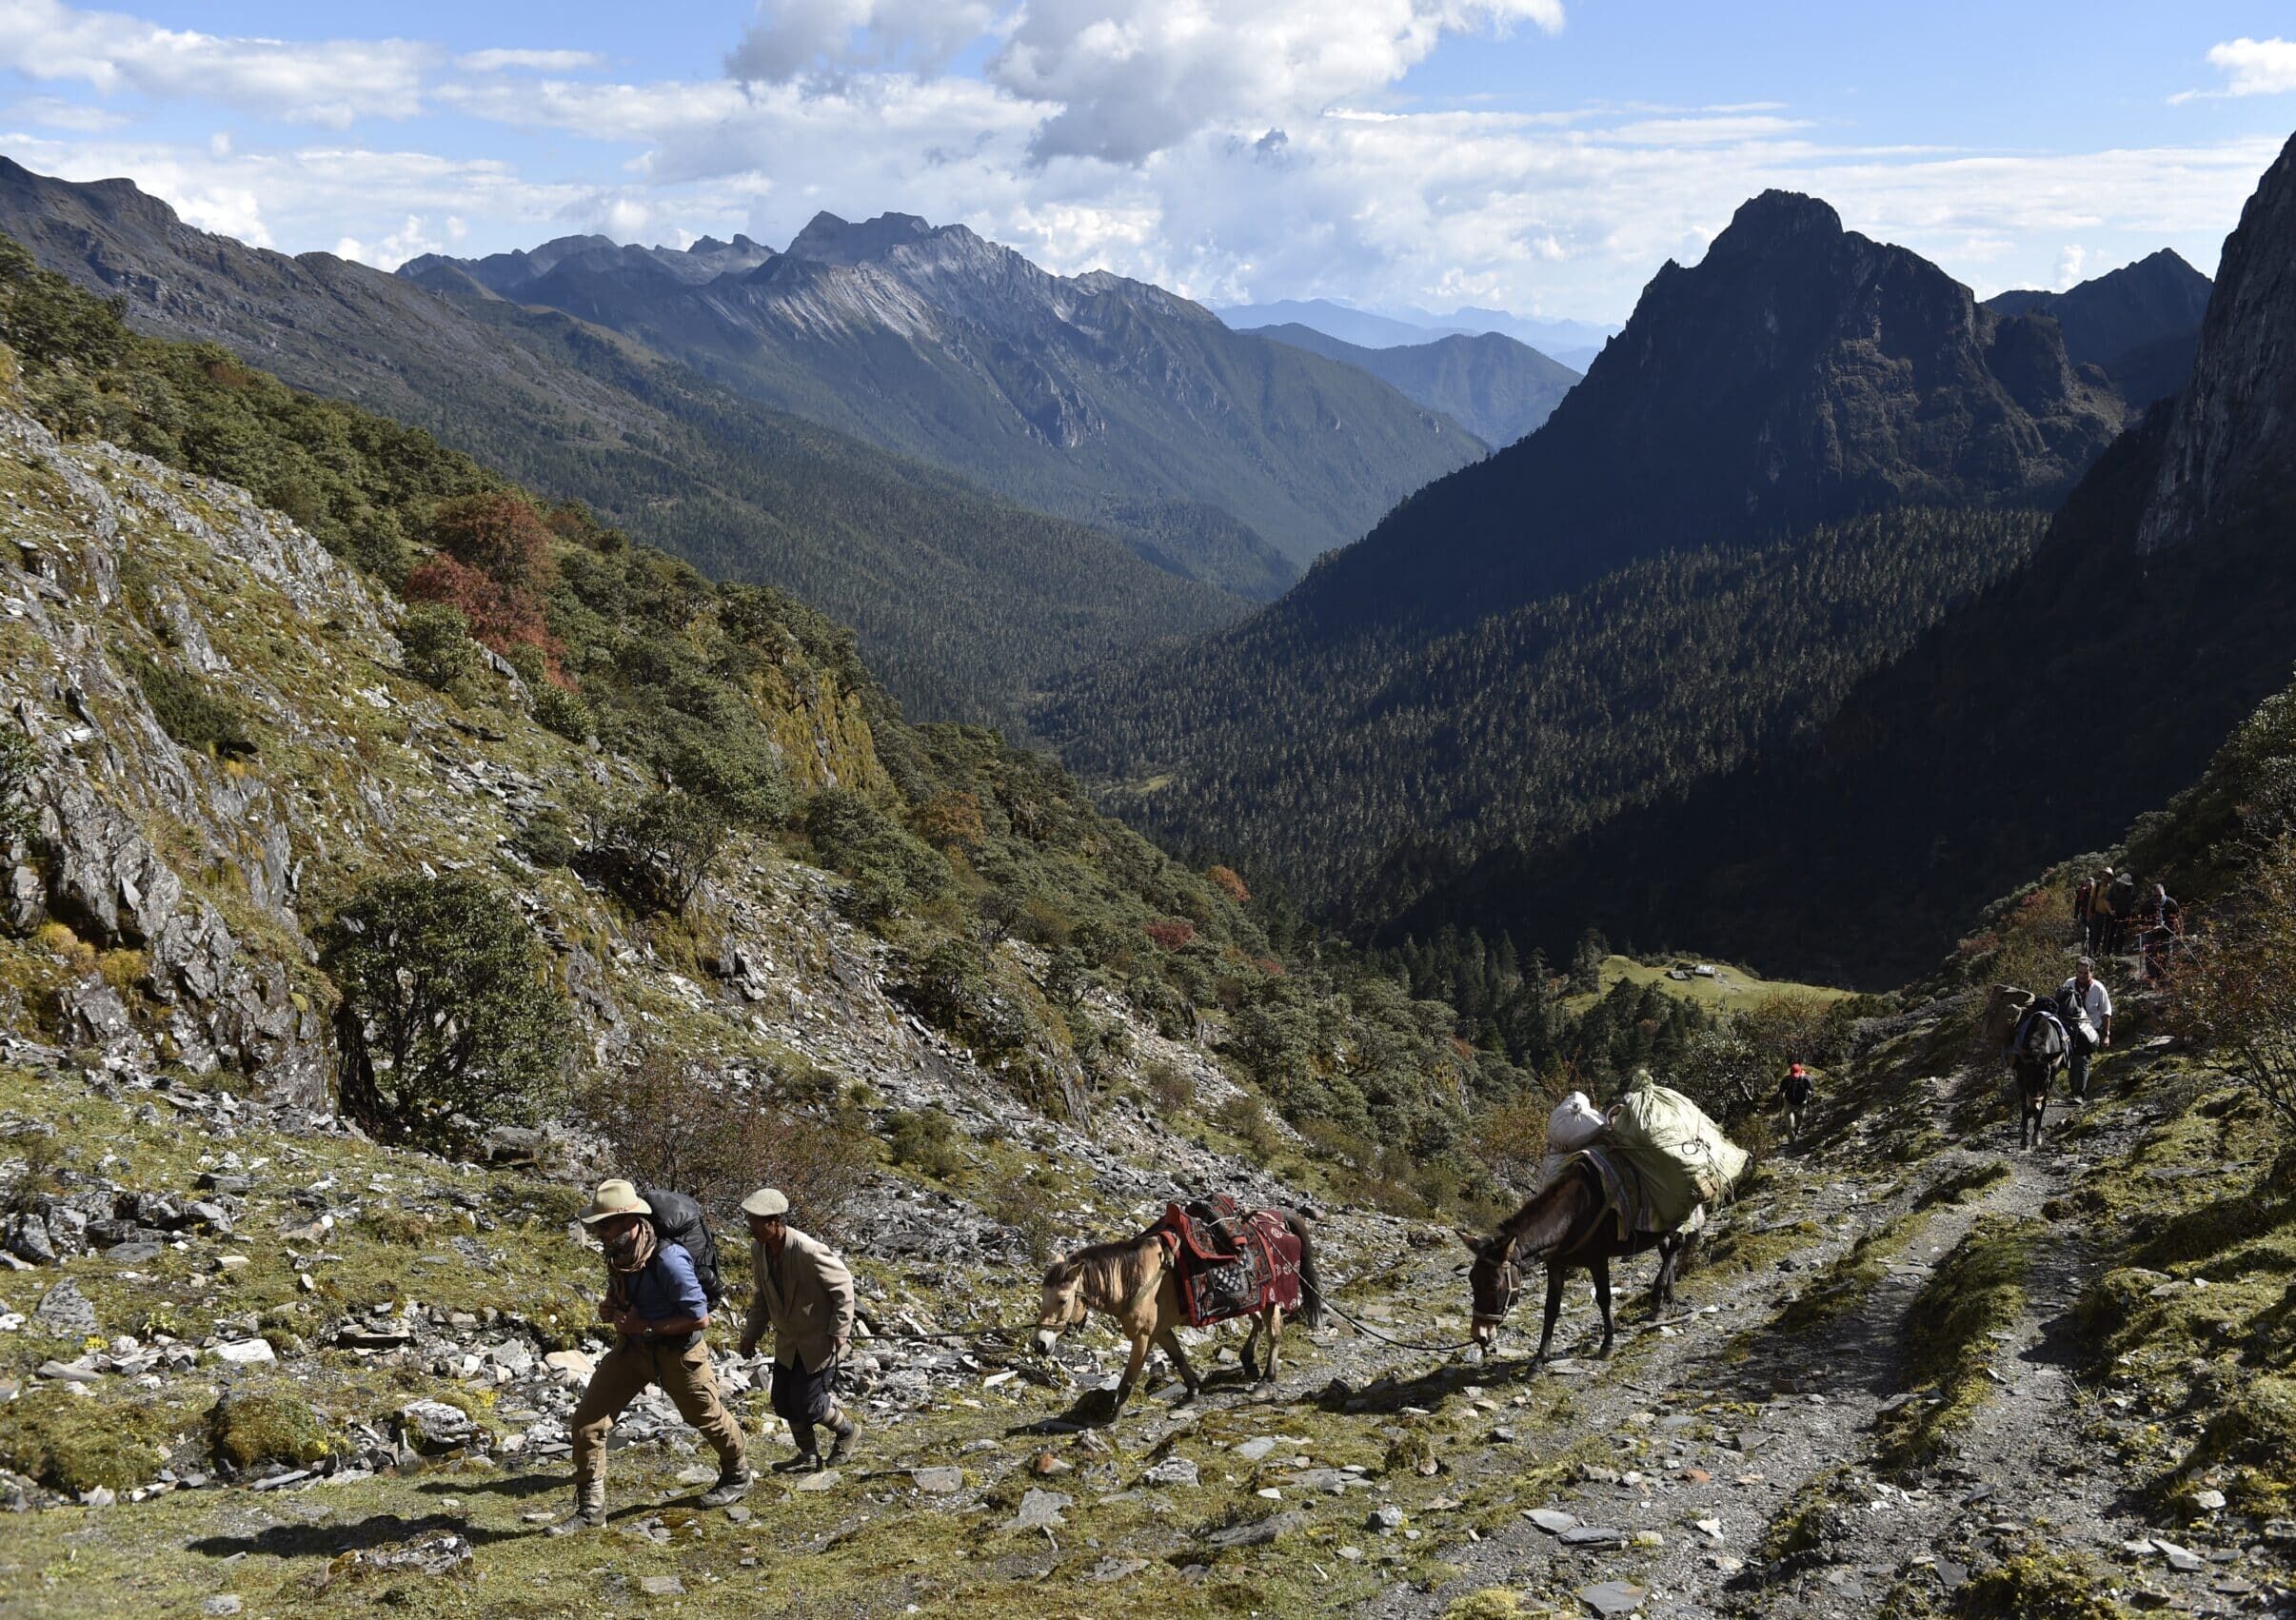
2036, 719
1355, 773
1091, 396
963, 601
1749, 502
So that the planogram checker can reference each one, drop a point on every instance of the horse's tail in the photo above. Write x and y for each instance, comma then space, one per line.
1311, 1290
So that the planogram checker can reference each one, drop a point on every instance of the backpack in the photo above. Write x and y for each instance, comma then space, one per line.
677, 1220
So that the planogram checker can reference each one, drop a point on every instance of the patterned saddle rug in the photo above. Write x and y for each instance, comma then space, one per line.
1232, 1262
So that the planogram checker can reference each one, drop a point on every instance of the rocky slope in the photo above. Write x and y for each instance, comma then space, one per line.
961, 599
1083, 395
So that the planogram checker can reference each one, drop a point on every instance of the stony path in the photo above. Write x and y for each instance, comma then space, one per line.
1716, 1432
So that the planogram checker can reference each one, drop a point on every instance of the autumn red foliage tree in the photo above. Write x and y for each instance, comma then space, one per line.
1227, 882
492, 563
1171, 933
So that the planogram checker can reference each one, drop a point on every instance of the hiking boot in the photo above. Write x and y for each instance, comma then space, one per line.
804, 1462
848, 1437
733, 1484
589, 1509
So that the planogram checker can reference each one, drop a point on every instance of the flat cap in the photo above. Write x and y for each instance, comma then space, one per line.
766, 1201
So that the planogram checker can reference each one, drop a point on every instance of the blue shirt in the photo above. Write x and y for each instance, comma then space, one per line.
667, 1290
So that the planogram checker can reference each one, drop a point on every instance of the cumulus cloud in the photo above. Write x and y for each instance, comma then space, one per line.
531, 61
323, 81
1134, 77
2256, 66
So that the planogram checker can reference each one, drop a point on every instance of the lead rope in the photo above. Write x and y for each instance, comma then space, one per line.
1365, 1328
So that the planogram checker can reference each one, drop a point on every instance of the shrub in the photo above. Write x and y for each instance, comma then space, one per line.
562, 710
947, 984
1227, 882
493, 564
440, 653
1020, 1208
19, 779
246, 1431
1170, 933
926, 1142
658, 852
666, 1125
2236, 992
72, 1444
1245, 1117
853, 836
450, 1006
1169, 1087
547, 839
191, 714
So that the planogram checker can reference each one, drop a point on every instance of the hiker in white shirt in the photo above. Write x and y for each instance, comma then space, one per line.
2086, 1006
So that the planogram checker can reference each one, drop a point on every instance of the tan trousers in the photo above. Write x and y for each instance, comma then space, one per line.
623, 1375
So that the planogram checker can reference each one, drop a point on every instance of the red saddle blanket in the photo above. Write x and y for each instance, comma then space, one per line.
1233, 1264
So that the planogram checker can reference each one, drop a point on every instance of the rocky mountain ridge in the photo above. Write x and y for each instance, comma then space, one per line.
1079, 394
2140, 323
2159, 609
960, 599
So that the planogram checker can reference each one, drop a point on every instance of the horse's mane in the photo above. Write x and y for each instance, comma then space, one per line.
1101, 1262
1533, 1218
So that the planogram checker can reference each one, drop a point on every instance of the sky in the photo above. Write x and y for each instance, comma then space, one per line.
1542, 156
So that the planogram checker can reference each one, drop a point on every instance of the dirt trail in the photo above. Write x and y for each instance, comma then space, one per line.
1724, 1427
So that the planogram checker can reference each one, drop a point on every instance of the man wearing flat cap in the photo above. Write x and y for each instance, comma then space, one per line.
805, 1295
655, 1304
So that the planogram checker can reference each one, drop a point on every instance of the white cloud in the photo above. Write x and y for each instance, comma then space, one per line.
2069, 263
1134, 77
789, 39
55, 112
531, 61
2256, 66
411, 239
324, 82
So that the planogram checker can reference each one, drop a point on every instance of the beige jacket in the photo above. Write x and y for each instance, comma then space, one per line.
806, 1301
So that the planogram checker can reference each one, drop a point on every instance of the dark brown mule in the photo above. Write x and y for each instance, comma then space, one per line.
1564, 1226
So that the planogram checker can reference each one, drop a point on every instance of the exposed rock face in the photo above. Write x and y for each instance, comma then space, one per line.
1799, 373
1086, 394
2233, 435
2139, 323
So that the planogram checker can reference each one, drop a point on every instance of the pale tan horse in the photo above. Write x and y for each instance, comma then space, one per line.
1135, 1282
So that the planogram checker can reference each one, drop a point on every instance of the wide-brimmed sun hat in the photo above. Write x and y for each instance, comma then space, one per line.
766, 1203
614, 1199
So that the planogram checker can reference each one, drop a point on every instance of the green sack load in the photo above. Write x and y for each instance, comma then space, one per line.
1681, 1155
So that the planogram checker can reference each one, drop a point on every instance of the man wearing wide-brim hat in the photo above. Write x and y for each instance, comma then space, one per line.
655, 1304
805, 1295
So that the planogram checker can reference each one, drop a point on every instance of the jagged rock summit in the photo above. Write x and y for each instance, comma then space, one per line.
1799, 373
2231, 442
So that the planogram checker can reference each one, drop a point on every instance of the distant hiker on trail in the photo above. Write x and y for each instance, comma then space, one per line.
804, 1295
2164, 923
2120, 905
2085, 1007
655, 1300
2084, 911
1795, 1091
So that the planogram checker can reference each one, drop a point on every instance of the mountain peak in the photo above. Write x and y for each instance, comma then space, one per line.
1773, 219
829, 240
